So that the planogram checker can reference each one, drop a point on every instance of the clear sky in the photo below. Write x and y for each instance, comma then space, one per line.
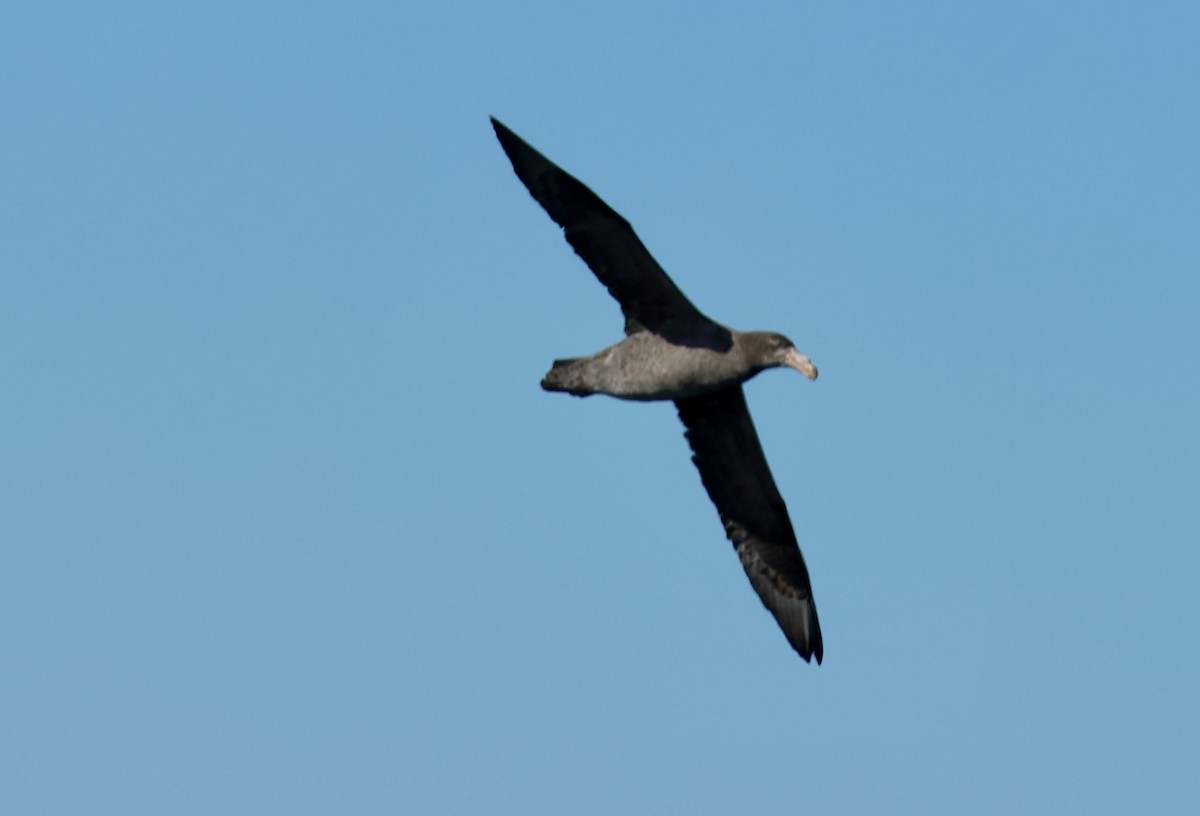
288, 527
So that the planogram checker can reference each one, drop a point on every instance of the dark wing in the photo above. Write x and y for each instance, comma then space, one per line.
736, 476
605, 241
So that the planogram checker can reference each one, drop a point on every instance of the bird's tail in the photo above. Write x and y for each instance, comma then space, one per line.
565, 375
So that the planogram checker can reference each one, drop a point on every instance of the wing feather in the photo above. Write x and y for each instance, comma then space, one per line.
734, 472
607, 244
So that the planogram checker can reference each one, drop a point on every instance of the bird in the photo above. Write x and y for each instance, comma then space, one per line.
673, 352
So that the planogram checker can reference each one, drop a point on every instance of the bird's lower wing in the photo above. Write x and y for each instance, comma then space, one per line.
735, 474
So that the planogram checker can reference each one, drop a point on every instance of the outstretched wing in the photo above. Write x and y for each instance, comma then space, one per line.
735, 474
605, 241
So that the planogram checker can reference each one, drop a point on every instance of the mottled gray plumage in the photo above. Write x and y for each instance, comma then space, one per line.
672, 351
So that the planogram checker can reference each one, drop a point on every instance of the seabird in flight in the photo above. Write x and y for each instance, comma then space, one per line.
674, 352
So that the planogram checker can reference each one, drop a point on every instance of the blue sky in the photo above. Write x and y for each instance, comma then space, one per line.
287, 526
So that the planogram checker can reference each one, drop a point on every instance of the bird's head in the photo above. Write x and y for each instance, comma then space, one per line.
780, 351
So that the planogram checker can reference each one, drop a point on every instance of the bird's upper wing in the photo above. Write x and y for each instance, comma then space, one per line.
605, 241
736, 476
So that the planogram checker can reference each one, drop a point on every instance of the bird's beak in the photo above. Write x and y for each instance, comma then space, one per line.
801, 363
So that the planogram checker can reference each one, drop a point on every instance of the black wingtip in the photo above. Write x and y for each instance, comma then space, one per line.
507, 138
807, 642
525, 160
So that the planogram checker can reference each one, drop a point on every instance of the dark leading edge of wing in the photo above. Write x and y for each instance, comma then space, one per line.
735, 474
608, 245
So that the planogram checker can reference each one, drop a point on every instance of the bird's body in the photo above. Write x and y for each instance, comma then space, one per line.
647, 367
672, 351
